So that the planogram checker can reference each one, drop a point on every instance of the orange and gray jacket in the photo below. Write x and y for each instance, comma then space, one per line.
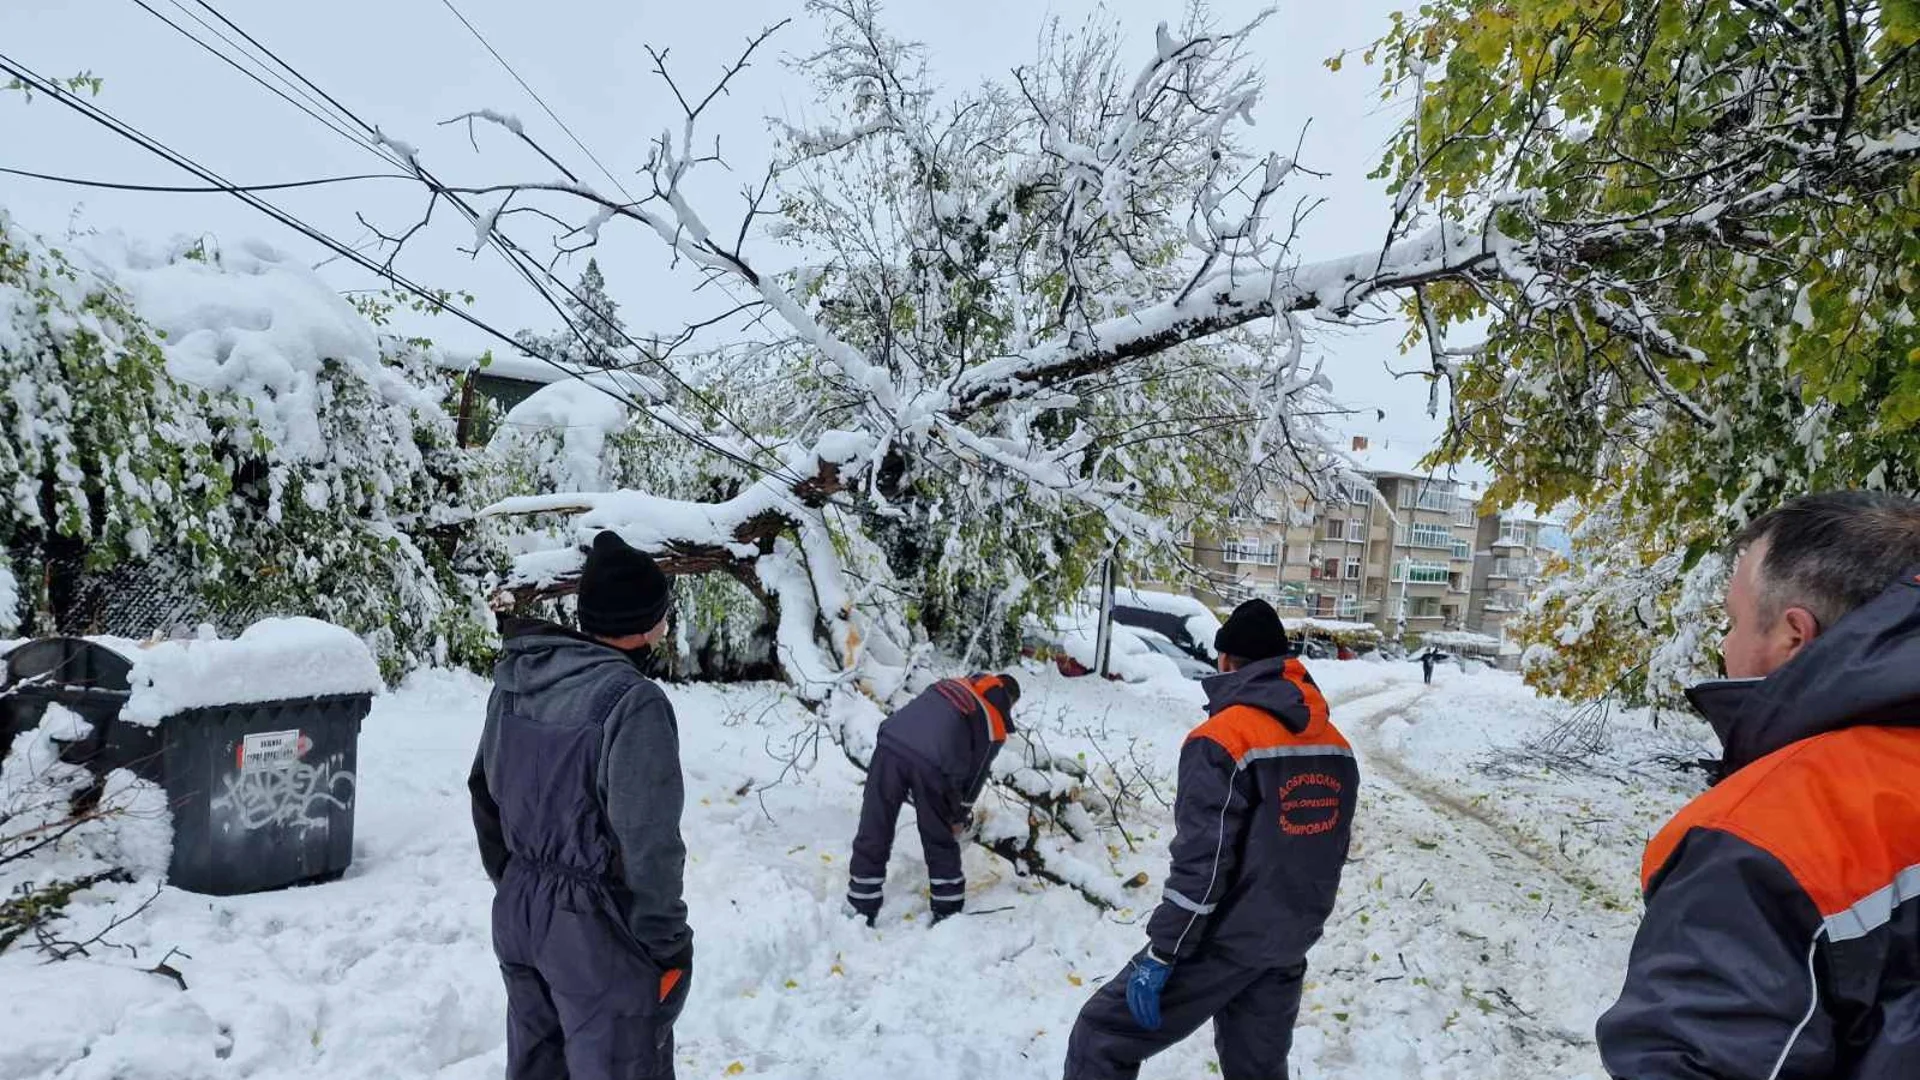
1264, 815
1782, 932
955, 729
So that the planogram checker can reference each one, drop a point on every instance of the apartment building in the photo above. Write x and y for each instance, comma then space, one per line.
1394, 549
1424, 571
1511, 555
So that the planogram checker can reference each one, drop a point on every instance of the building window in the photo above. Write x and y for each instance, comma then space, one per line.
1431, 536
1353, 568
1466, 512
1462, 549
1405, 500
1330, 569
1515, 533
1355, 529
1251, 551
1508, 567
1336, 529
1423, 607
1435, 496
1421, 573
1349, 606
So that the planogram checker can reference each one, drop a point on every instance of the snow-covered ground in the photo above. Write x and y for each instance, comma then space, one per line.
1483, 923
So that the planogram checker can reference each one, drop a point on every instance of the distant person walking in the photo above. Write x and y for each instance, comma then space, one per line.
935, 752
576, 801
1264, 814
1427, 660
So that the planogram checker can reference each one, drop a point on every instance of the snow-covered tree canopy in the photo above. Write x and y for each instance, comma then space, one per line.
986, 338
1707, 293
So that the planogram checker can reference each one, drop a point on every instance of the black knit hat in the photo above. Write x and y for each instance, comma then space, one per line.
622, 590
1013, 688
1252, 632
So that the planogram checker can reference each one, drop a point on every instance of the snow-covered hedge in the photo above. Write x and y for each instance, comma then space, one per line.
222, 419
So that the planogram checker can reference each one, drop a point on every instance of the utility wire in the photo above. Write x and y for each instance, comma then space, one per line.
330, 123
481, 38
277, 76
517, 257
127, 131
591, 156
171, 189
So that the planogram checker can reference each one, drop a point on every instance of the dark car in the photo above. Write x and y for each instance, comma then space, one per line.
1171, 627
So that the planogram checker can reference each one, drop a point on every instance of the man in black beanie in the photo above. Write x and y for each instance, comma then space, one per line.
576, 800
1264, 813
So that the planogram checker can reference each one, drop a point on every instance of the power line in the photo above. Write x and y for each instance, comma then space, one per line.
329, 122
127, 131
615, 180
522, 262
173, 189
481, 38
517, 257
269, 69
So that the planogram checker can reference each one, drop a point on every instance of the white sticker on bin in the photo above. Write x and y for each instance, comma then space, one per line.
269, 750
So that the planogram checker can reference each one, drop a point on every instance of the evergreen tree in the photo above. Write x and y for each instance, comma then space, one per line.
596, 336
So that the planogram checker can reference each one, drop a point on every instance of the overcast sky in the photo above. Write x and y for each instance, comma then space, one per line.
405, 65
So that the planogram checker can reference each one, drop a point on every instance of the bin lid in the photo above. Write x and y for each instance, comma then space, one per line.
69, 661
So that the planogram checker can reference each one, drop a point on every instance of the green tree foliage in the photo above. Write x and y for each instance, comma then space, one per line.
1708, 224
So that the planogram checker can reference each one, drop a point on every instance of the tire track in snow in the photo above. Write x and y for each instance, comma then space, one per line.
1374, 709
1448, 925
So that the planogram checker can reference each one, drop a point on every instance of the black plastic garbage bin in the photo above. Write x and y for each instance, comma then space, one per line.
88, 678
262, 793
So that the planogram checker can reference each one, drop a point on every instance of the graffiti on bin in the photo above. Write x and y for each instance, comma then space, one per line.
285, 792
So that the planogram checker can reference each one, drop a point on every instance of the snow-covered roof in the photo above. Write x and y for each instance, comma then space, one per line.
528, 369
1383, 458
1461, 639
580, 416
1331, 626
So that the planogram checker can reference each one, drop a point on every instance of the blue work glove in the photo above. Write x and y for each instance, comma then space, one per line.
1144, 983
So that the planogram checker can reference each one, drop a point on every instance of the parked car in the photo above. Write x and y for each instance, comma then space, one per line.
1164, 624
1189, 667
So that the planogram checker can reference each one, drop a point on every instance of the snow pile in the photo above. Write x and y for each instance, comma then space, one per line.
122, 842
576, 417
130, 828
255, 322
273, 660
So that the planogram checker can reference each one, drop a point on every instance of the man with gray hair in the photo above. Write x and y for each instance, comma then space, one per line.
1782, 930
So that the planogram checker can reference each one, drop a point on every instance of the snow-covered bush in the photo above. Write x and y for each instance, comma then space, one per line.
105, 454
64, 830
222, 417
